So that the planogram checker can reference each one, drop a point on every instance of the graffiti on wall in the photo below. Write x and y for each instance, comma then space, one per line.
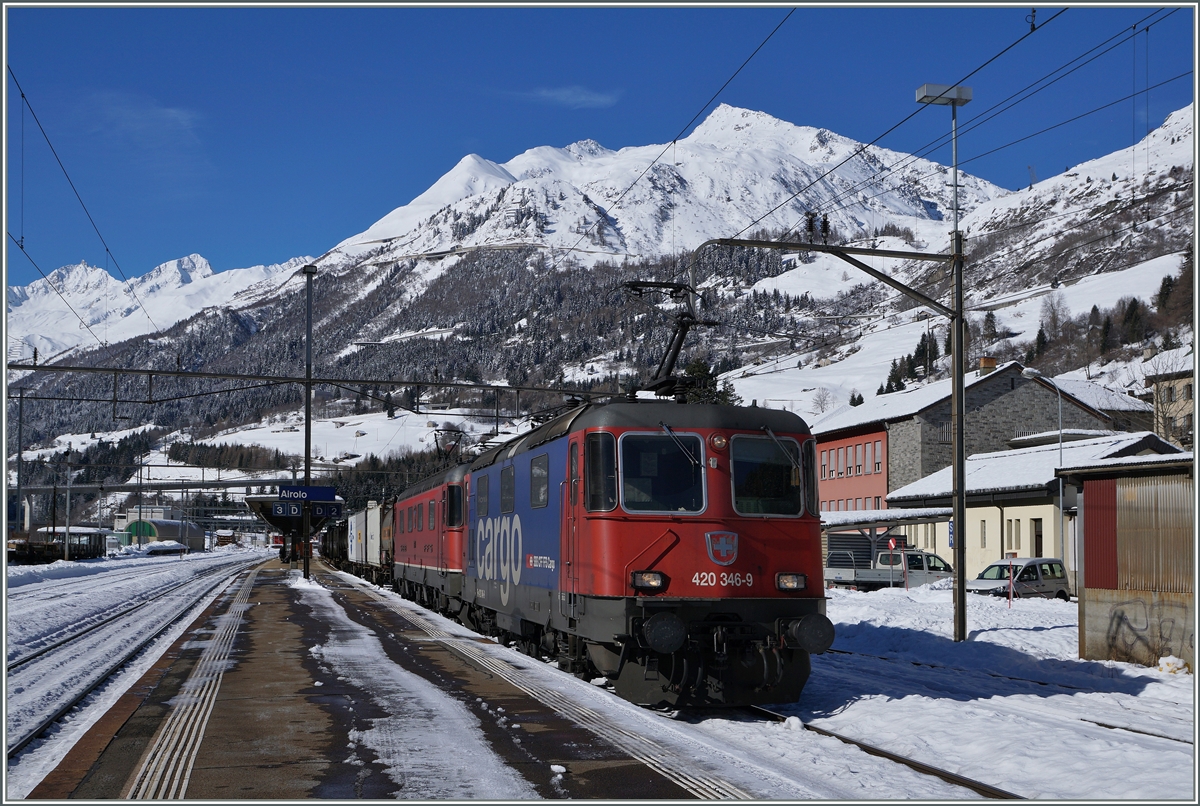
1142, 632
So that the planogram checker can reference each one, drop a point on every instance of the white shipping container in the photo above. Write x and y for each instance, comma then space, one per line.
372, 532
356, 546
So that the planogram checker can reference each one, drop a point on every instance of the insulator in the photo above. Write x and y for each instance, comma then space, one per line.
825, 229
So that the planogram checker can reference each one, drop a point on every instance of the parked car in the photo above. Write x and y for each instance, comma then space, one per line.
898, 568
1031, 576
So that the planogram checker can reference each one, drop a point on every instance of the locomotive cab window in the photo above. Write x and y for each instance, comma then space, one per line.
600, 459
539, 481
662, 472
766, 480
508, 489
454, 503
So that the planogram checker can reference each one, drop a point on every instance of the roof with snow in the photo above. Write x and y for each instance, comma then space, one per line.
1184, 458
1169, 364
1031, 468
1101, 397
901, 405
867, 518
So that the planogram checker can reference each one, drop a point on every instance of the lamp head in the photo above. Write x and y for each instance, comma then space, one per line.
1030, 372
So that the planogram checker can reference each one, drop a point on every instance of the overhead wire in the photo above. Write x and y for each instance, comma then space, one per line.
995, 110
862, 148
21, 246
615, 205
1011, 143
25, 102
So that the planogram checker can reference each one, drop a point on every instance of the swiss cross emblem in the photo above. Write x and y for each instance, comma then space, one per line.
722, 547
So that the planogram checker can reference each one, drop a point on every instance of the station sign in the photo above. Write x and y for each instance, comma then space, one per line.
295, 509
286, 509
292, 493
323, 509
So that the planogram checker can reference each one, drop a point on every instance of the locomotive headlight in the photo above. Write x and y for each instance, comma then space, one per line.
718, 441
649, 580
791, 582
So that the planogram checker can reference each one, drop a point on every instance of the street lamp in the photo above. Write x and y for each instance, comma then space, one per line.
1031, 373
954, 97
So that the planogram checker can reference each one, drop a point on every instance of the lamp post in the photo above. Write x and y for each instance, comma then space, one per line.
954, 97
1030, 372
306, 522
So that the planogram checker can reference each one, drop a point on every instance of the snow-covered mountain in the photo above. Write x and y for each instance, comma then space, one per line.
42, 315
469, 259
734, 167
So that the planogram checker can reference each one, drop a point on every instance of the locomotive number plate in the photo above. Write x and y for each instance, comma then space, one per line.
724, 580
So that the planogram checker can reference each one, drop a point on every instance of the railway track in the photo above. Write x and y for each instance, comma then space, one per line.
1126, 719
46, 685
978, 787
686, 774
76, 635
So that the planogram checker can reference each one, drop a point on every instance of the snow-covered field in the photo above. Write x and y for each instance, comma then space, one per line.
1013, 706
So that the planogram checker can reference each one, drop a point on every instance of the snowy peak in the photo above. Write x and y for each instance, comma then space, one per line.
731, 125
584, 149
175, 273
735, 165
77, 305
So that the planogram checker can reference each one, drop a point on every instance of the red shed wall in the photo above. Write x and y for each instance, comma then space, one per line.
1100, 533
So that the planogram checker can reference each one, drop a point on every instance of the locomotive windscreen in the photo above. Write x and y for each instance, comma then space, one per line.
765, 480
662, 473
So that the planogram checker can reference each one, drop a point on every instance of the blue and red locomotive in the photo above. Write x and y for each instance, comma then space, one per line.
674, 549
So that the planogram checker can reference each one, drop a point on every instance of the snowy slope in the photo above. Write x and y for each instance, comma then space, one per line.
732, 168
40, 314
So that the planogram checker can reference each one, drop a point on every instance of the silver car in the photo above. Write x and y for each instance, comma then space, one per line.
1030, 576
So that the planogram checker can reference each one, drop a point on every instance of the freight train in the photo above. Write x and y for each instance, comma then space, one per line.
673, 549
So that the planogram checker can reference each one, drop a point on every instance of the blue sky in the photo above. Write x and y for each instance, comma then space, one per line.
252, 135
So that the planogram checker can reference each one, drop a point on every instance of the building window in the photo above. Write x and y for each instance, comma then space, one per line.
858, 457
878, 505
983, 534
1171, 393
1017, 535
822, 464
1008, 533
1187, 392
841, 470
858, 503
870, 461
878, 456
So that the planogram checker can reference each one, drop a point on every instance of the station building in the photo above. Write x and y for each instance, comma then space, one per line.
866, 452
1014, 508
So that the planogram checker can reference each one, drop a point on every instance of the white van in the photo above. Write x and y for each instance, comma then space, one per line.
1031, 576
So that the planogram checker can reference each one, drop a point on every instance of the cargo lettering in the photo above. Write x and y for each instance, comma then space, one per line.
499, 545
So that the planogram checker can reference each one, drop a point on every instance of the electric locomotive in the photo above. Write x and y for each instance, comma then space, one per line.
673, 549
427, 540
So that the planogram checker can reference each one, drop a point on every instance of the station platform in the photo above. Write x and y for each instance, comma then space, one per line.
241, 707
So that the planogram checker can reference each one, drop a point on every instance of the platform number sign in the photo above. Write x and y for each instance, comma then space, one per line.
951, 534
286, 509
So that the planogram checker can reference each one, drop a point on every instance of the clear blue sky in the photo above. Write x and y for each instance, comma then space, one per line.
252, 135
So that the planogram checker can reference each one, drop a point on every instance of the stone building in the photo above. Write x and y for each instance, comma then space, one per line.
867, 451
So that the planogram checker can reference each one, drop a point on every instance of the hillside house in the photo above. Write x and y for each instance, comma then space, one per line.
1170, 376
1013, 504
865, 452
